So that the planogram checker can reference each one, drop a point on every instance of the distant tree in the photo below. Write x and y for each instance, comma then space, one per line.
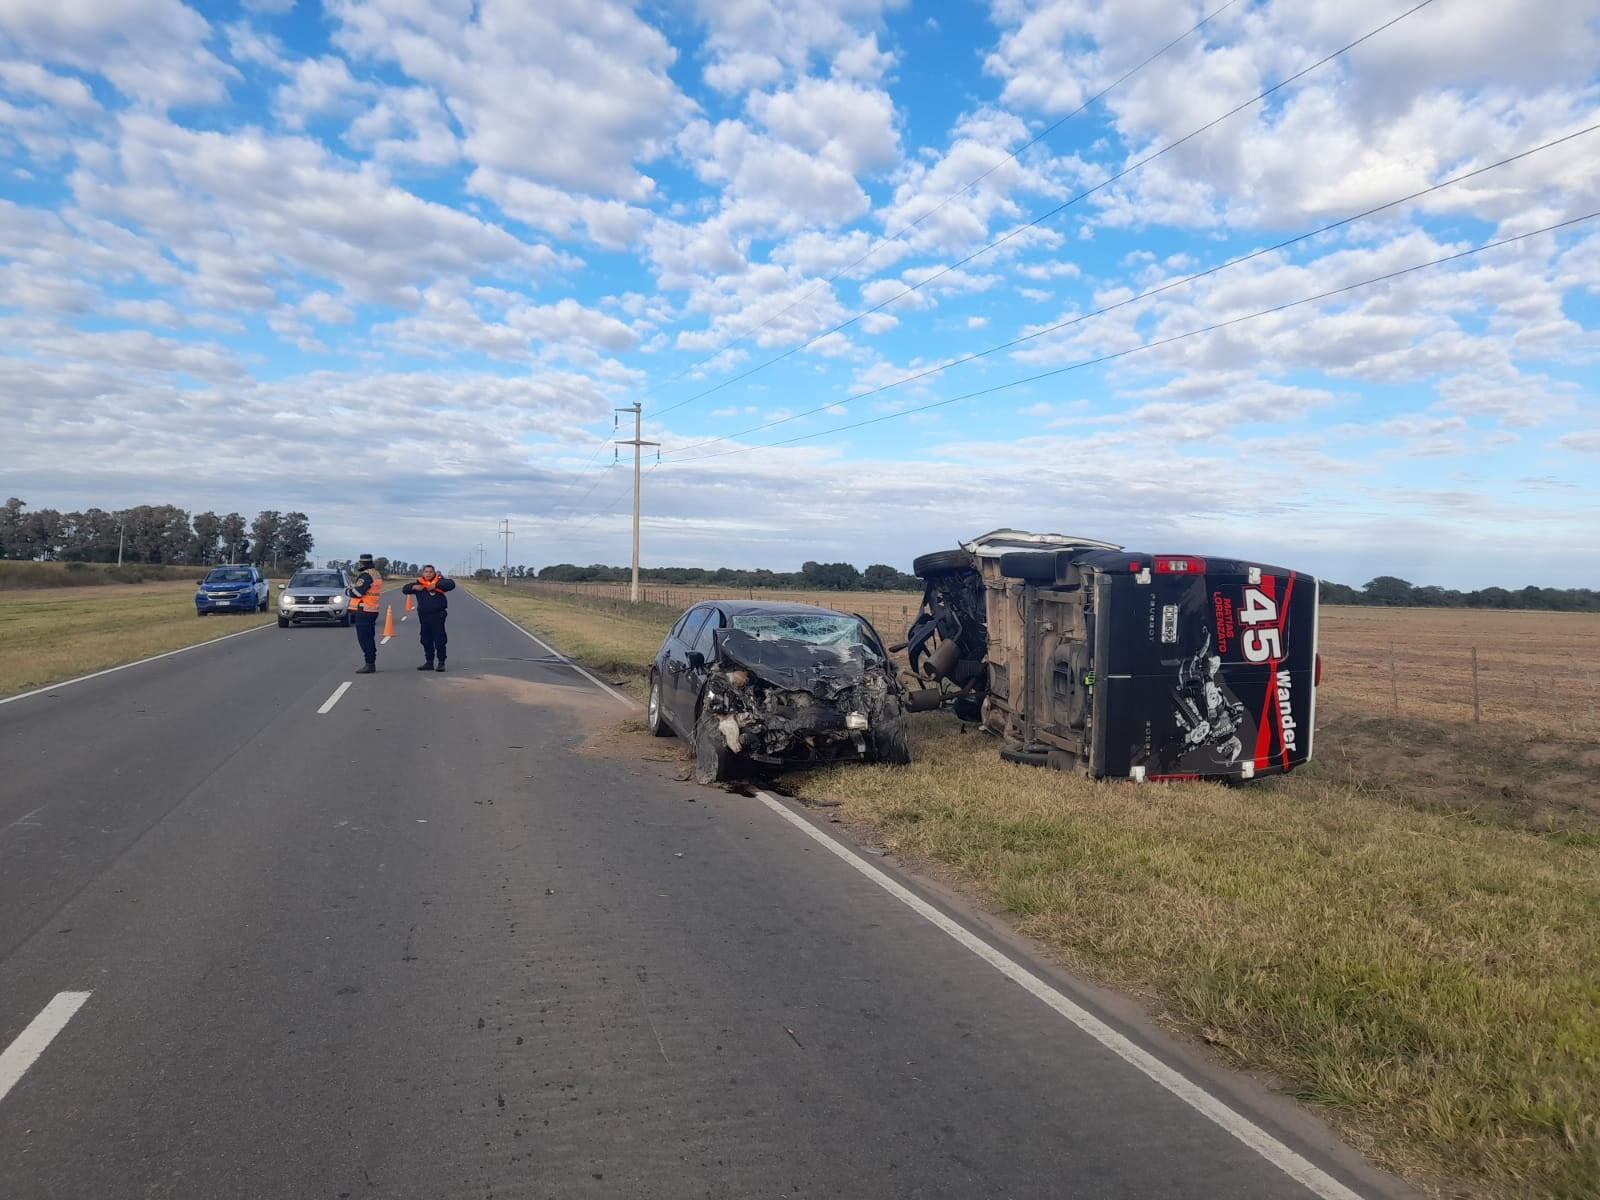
207, 533
831, 576
880, 577
1389, 590
231, 529
294, 540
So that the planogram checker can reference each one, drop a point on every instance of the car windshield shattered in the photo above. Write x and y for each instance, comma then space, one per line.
815, 629
236, 575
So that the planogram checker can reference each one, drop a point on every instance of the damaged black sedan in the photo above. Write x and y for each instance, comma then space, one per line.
771, 684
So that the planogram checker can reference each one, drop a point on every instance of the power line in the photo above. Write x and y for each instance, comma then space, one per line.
962, 191
1166, 341
1145, 295
1044, 216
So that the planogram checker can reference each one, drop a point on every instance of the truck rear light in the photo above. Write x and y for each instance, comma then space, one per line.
1168, 564
1316, 672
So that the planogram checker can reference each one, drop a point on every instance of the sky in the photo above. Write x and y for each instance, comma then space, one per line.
395, 263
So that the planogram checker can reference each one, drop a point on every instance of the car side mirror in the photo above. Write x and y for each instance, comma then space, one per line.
199, 583
696, 660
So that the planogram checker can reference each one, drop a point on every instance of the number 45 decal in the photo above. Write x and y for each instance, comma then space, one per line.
1260, 644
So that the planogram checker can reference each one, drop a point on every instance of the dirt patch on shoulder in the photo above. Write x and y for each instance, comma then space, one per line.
585, 701
628, 739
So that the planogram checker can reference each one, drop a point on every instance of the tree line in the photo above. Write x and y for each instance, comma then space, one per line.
1390, 591
812, 576
153, 533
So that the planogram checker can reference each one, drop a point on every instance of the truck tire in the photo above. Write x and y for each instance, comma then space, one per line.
941, 562
1033, 566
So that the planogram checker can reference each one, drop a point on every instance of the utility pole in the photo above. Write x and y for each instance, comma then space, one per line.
480, 556
638, 443
121, 529
505, 571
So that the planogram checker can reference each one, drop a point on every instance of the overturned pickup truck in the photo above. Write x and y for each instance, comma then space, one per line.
1083, 656
776, 685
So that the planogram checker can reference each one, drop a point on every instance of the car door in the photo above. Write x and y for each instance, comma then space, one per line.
699, 657
673, 666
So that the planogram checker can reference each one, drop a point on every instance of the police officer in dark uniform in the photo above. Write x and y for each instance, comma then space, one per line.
364, 594
433, 606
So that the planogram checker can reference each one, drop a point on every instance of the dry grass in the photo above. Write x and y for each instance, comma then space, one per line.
20, 575
48, 635
1406, 934
1431, 984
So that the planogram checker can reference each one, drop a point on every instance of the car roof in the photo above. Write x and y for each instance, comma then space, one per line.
750, 608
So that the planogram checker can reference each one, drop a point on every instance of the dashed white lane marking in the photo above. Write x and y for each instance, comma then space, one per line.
1315, 1180
604, 687
41, 1031
327, 705
137, 663
406, 617
385, 642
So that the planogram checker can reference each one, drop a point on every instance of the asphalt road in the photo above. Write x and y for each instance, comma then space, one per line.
424, 944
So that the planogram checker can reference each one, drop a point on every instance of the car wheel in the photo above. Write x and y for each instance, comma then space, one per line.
1032, 566
713, 761
283, 622
889, 742
941, 562
652, 718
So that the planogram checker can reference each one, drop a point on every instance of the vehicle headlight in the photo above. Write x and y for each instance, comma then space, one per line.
855, 720
340, 601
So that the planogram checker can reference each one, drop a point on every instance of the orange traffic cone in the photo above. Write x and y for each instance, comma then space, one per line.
408, 603
388, 621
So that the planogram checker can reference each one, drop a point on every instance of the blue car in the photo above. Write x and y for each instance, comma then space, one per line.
232, 589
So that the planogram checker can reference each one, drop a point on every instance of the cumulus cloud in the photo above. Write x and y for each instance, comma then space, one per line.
243, 209
571, 93
154, 52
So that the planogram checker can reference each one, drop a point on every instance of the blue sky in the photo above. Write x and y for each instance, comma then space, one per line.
395, 262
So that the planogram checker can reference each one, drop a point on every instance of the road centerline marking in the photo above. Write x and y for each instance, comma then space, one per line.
327, 705
1315, 1180
28, 1045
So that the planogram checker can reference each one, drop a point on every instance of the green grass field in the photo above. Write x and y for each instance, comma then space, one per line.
49, 635
1415, 953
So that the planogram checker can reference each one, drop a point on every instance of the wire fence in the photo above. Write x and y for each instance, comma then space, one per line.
891, 613
1539, 671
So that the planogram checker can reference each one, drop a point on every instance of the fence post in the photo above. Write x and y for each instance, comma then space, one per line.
1394, 680
1477, 709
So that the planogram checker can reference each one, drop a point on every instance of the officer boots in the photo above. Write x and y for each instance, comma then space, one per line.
427, 666
440, 667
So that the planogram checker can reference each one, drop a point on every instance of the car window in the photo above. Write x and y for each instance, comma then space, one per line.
703, 635
817, 629
230, 575
692, 625
677, 629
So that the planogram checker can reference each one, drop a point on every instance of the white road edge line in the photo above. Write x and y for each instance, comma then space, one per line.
41, 1031
1314, 1179
603, 686
327, 705
137, 663
1303, 1172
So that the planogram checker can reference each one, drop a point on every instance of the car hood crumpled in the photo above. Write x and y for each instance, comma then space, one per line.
793, 666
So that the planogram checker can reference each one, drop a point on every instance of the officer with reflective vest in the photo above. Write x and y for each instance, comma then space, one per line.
433, 606
364, 594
